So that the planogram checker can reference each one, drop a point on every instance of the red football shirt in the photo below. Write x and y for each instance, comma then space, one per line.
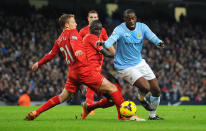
68, 43
94, 56
84, 31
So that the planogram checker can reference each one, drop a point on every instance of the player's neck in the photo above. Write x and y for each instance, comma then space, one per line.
66, 28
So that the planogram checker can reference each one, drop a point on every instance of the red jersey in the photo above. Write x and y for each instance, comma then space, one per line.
79, 73
68, 43
84, 31
94, 56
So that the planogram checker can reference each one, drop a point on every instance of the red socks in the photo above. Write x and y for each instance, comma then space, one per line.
49, 104
90, 96
117, 98
118, 109
118, 87
103, 103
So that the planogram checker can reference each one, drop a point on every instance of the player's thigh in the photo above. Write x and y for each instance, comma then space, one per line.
70, 88
154, 83
142, 83
107, 86
92, 80
130, 74
65, 94
147, 72
110, 77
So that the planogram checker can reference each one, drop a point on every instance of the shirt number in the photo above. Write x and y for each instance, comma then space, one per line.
67, 53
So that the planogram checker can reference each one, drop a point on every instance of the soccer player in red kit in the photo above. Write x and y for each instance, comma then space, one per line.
70, 45
93, 15
94, 57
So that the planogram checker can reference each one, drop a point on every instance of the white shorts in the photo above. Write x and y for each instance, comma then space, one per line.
132, 74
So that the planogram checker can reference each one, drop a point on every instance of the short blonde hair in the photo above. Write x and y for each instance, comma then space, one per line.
63, 19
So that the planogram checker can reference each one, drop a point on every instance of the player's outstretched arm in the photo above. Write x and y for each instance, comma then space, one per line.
100, 43
112, 49
35, 66
161, 44
106, 53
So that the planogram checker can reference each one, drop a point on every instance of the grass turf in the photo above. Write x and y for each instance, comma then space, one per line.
62, 118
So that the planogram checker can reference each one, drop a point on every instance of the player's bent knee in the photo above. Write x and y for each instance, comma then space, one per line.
65, 95
113, 88
107, 86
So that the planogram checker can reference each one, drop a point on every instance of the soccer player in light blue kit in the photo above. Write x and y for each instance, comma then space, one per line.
128, 61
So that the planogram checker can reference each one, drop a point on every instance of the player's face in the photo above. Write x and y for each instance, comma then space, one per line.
71, 24
96, 30
130, 21
92, 16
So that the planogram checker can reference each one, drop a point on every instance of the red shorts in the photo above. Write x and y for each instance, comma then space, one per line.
76, 77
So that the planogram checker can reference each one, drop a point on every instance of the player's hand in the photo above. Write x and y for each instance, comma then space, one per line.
35, 66
100, 43
78, 53
161, 44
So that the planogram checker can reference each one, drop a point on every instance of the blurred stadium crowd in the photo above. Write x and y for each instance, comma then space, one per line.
180, 67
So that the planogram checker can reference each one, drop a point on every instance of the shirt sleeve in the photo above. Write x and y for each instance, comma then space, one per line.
92, 42
75, 40
104, 34
81, 33
49, 56
149, 35
113, 38
76, 44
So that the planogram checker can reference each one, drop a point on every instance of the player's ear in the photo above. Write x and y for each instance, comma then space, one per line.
66, 25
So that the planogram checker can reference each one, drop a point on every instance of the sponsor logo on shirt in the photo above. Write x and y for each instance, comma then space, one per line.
74, 37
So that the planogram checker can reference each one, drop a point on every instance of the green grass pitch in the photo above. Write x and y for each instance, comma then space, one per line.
62, 118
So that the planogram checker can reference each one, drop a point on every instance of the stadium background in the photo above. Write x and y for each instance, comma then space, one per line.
28, 29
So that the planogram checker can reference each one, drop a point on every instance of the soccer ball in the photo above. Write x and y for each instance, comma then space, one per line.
128, 109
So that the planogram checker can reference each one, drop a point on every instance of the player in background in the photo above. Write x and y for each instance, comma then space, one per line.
128, 61
93, 15
94, 56
70, 45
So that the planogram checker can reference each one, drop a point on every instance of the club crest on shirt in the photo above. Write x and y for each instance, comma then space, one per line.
139, 35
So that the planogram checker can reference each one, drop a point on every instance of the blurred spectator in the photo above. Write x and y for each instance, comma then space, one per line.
24, 100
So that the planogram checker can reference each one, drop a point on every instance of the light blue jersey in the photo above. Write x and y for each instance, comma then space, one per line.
129, 44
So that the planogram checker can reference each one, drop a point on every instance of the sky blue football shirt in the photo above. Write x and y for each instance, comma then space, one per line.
129, 44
